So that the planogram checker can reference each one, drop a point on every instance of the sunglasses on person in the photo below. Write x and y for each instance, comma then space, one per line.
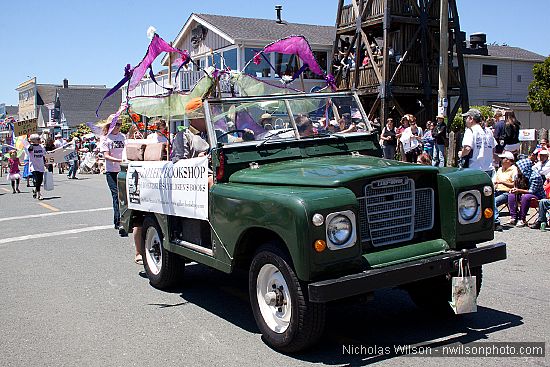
118, 124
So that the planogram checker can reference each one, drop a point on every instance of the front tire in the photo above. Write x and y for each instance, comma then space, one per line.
163, 268
287, 320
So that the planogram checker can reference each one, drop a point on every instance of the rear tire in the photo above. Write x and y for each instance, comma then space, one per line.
163, 268
287, 320
433, 294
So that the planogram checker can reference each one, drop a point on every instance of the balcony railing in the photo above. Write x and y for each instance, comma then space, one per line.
375, 9
186, 81
409, 75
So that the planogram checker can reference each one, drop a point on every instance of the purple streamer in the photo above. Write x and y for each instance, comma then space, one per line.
296, 45
156, 47
112, 90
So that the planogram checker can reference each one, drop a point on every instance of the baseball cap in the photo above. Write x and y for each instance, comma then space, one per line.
507, 155
266, 116
473, 113
543, 152
440, 117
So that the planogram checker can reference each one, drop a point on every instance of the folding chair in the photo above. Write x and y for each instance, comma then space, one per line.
502, 206
533, 204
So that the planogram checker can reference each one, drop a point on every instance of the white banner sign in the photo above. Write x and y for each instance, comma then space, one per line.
179, 189
527, 135
62, 154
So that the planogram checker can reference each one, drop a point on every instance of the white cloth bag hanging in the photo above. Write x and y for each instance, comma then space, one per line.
48, 181
463, 291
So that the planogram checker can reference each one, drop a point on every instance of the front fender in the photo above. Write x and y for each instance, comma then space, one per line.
452, 182
286, 211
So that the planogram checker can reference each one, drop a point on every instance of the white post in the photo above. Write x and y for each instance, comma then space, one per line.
443, 57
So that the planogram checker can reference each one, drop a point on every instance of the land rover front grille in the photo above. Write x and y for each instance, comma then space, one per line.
392, 210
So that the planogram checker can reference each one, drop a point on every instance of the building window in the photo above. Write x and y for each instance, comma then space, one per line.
285, 65
230, 58
518, 78
217, 61
321, 58
489, 70
260, 70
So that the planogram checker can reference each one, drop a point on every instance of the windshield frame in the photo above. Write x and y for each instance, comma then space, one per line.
286, 98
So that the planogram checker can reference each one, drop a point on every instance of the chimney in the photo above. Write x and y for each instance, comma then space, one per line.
65, 83
278, 9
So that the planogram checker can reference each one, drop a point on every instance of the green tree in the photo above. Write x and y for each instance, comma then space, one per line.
458, 122
81, 130
539, 89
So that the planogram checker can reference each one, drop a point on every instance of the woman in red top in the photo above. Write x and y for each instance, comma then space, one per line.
14, 176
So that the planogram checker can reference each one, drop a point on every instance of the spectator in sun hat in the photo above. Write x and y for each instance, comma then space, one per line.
535, 190
503, 181
543, 165
266, 121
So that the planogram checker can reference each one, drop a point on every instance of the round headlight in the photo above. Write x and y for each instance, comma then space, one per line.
339, 230
318, 220
468, 206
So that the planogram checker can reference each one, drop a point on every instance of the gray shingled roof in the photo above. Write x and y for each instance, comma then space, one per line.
78, 105
46, 93
269, 30
513, 53
12, 110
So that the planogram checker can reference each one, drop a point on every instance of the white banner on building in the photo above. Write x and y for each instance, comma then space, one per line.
179, 189
62, 154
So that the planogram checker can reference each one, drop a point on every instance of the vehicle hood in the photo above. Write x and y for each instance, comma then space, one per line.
328, 171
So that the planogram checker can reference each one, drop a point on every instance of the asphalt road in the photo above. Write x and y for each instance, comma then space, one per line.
70, 295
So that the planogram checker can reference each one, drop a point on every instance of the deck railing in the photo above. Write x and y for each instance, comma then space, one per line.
375, 8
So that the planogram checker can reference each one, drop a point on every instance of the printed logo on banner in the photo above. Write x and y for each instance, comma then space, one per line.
133, 185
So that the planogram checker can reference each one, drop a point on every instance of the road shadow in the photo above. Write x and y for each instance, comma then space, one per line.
46, 198
391, 318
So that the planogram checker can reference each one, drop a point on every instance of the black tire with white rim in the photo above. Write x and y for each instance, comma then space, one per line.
287, 320
163, 268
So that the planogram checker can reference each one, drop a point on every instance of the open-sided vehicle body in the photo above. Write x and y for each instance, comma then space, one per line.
316, 216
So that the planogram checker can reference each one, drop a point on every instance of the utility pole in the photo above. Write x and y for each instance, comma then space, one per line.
442, 102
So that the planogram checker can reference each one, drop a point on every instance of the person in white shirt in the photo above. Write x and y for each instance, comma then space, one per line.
112, 146
543, 165
58, 141
477, 145
36, 153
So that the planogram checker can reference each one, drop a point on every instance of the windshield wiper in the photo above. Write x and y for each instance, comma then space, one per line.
272, 135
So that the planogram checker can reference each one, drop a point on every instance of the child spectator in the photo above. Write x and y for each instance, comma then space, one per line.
14, 174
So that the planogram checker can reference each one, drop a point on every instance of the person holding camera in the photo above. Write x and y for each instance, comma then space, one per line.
477, 145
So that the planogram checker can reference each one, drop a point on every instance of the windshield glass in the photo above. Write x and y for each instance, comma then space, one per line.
237, 122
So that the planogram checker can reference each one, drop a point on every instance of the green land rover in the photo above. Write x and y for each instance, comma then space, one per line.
314, 216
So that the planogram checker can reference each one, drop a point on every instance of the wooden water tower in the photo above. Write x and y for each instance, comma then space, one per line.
396, 70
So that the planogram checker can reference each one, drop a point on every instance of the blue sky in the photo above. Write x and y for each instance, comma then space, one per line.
90, 42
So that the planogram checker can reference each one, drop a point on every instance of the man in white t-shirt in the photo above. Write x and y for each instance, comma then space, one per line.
478, 143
